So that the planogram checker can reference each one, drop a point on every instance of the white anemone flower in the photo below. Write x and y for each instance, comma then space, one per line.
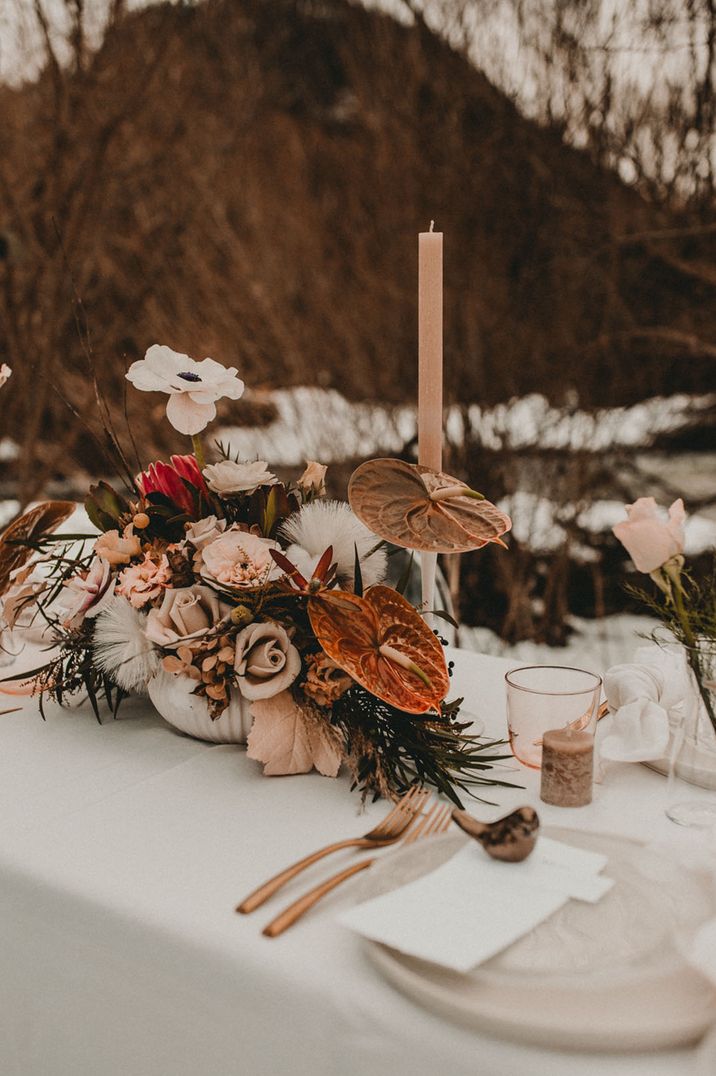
321, 524
193, 387
121, 649
230, 477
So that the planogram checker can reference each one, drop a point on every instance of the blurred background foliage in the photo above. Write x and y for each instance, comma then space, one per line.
244, 179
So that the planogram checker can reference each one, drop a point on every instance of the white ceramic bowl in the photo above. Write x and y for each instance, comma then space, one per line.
172, 697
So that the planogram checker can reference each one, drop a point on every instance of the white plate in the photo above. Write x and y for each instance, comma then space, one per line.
604, 977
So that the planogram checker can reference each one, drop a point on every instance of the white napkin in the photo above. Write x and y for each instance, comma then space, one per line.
472, 907
646, 699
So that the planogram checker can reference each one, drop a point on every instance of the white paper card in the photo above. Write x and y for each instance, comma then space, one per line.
554, 865
472, 907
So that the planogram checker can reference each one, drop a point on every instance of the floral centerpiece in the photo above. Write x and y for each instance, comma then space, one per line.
219, 587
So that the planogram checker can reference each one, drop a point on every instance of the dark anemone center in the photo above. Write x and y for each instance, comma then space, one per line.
188, 376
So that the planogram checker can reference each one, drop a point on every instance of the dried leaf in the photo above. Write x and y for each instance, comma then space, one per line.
216, 692
172, 664
38, 521
289, 738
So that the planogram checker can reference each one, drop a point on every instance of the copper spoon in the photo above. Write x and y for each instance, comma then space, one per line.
511, 838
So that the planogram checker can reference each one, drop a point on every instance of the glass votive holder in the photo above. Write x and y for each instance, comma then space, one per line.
544, 697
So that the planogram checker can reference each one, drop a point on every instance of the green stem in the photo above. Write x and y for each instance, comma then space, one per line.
692, 650
682, 613
198, 450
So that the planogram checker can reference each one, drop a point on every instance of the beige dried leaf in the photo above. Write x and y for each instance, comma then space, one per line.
289, 738
34, 524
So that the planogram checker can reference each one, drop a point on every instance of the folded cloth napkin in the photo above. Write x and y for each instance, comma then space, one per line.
646, 699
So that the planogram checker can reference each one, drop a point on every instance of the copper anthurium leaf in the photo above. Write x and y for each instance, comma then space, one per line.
16, 539
383, 643
415, 507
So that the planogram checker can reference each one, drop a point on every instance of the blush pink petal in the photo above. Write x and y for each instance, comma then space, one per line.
648, 538
189, 417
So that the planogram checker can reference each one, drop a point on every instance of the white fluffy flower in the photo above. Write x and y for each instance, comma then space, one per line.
193, 387
5, 373
231, 477
321, 524
121, 649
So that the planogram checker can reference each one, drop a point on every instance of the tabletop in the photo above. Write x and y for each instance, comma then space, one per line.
124, 848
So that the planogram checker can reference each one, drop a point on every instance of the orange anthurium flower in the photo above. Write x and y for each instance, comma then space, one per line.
383, 643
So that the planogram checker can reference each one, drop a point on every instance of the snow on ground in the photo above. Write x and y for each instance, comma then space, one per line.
530, 421
595, 645
321, 424
536, 522
8, 510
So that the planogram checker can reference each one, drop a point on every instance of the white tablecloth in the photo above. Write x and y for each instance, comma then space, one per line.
123, 850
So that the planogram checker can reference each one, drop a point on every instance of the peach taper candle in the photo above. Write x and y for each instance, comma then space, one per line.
430, 375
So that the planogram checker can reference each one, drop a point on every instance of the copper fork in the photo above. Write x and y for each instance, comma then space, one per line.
391, 829
434, 821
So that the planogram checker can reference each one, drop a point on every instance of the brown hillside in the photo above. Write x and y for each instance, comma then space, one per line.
246, 180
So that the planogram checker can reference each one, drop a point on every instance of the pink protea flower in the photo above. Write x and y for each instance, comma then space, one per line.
166, 478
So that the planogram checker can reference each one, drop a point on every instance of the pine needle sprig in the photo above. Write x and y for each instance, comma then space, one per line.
389, 749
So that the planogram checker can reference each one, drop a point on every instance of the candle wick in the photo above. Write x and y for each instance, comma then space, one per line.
432, 225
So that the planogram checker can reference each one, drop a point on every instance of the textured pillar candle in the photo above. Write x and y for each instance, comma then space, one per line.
567, 759
430, 373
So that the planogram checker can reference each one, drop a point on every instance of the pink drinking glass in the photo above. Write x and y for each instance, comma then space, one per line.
543, 697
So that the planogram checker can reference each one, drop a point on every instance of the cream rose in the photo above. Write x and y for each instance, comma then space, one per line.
266, 660
115, 550
231, 477
185, 613
237, 559
205, 531
313, 479
649, 539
